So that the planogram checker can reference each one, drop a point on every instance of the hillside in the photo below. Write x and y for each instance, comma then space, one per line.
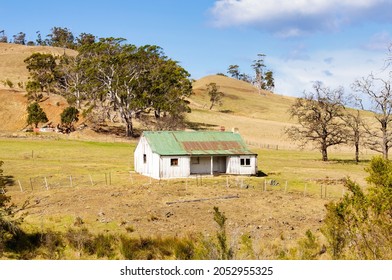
260, 117
12, 56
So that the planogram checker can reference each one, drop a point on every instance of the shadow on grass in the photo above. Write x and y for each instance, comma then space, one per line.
348, 161
199, 125
226, 111
261, 174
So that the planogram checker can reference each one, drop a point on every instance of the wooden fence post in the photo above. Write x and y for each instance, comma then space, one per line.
46, 183
91, 180
20, 186
70, 181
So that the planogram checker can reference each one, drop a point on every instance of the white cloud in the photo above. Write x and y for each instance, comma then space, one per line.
379, 41
297, 17
333, 68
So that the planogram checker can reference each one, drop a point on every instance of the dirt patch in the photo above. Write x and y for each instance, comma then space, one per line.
13, 112
150, 211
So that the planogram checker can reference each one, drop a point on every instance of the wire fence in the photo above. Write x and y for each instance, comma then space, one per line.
330, 189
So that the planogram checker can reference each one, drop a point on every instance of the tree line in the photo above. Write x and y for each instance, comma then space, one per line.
263, 78
59, 37
111, 79
325, 119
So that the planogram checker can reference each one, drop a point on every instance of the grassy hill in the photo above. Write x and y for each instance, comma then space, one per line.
12, 56
259, 116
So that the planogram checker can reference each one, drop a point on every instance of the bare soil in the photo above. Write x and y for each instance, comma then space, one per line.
178, 208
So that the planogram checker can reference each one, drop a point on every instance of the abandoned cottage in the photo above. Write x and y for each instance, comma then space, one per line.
179, 154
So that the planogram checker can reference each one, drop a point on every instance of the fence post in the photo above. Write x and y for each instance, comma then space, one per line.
285, 187
20, 186
31, 184
46, 183
306, 185
91, 180
321, 191
70, 180
130, 175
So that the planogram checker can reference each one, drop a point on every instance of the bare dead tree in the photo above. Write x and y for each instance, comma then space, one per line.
355, 129
379, 92
319, 115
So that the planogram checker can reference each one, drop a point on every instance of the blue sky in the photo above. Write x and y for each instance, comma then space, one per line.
332, 41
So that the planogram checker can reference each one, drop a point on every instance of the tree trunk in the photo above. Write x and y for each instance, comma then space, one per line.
324, 152
357, 152
385, 143
129, 129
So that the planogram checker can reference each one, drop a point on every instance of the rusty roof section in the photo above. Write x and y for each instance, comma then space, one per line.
196, 143
221, 146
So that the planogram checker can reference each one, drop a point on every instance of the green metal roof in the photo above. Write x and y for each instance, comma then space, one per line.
196, 143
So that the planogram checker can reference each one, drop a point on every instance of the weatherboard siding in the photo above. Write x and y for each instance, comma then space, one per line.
164, 155
145, 160
181, 170
234, 165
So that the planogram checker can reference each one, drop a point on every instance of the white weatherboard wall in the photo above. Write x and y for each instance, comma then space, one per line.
234, 165
181, 170
202, 166
149, 167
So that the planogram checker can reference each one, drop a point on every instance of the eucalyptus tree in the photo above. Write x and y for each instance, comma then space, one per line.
113, 70
35, 114
42, 70
61, 37
166, 84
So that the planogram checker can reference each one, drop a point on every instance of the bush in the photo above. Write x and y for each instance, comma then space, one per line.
359, 226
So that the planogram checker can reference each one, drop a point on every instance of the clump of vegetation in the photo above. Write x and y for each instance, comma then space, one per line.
8, 83
359, 226
36, 114
9, 222
215, 95
69, 117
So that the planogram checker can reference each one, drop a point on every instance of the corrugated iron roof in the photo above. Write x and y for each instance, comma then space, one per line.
196, 143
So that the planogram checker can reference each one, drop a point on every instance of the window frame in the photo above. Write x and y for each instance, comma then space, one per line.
174, 162
245, 161
195, 160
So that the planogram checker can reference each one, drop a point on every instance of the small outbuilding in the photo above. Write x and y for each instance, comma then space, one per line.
179, 154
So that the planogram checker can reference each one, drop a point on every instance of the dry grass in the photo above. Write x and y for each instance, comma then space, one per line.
279, 214
130, 201
12, 56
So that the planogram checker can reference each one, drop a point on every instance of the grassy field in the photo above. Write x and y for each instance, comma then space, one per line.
66, 179
109, 197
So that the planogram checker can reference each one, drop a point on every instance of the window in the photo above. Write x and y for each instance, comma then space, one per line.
245, 161
144, 158
174, 161
195, 160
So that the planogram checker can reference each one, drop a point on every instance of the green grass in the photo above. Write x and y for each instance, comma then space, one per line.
29, 157
37, 158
